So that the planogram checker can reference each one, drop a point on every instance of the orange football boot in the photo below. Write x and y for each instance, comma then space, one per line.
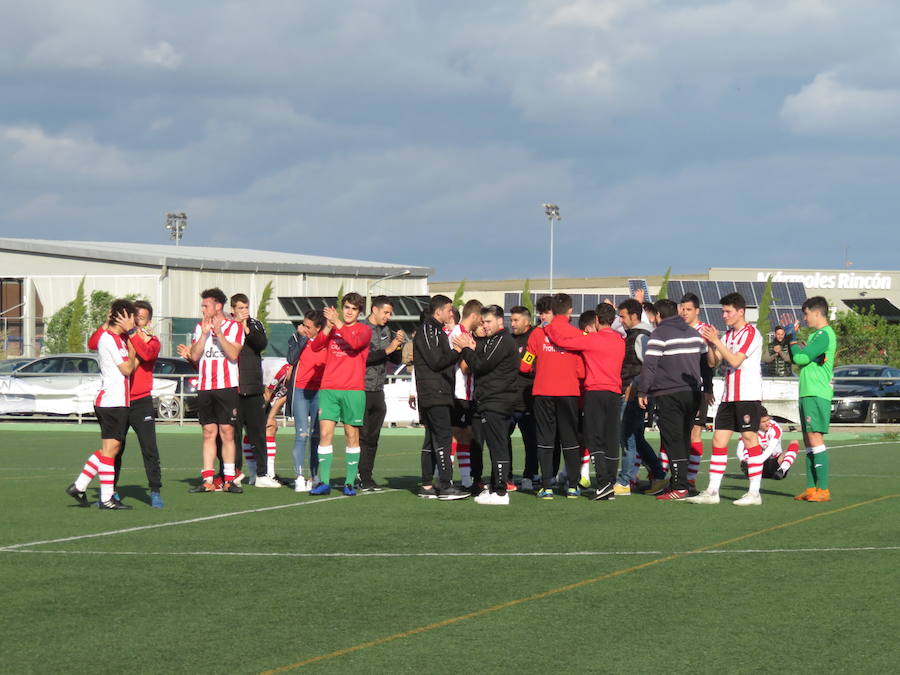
806, 494
820, 496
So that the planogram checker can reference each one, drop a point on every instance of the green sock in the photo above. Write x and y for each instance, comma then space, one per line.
810, 470
820, 464
325, 454
352, 464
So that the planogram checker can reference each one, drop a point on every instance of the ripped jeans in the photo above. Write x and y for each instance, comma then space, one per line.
305, 410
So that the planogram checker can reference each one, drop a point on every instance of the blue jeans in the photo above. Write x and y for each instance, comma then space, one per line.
634, 443
305, 410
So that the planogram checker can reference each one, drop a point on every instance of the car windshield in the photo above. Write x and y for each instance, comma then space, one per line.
857, 371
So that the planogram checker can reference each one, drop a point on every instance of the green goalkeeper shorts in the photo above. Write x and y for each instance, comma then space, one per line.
815, 414
339, 405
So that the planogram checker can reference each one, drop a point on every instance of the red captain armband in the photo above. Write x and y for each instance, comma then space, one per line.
528, 358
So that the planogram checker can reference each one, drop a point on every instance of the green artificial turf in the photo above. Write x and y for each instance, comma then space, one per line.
644, 597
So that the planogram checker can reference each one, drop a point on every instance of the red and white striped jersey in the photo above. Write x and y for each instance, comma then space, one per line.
216, 370
769, 441
464, 386
700, 326
115, 388
278, 383
744, 383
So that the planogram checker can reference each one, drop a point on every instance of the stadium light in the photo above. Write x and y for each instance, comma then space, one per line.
373, 283
176, 224
552, 213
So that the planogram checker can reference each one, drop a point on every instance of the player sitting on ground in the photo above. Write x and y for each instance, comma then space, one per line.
777, 462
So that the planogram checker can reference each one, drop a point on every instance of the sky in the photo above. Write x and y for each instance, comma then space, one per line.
690, 134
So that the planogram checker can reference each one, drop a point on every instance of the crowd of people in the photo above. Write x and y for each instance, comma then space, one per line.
580, 396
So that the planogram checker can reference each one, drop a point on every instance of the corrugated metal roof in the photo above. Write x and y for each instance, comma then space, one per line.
208, 257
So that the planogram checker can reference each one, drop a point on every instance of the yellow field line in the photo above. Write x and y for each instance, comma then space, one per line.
562, 589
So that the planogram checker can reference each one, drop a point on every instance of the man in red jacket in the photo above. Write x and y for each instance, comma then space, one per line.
144, 347
342, 397
556, 391
603, 351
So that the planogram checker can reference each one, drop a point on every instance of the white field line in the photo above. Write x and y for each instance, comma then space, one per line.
473, 554
173, 523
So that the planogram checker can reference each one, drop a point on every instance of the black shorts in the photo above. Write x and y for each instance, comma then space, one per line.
702, 411
113, 422
218, 406
461, 413
739, 416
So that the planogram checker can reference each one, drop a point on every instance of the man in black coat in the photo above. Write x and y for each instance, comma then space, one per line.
434, 359
494, 360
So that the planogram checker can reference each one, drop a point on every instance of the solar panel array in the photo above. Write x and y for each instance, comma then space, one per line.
407, 308
787, 298
581, 302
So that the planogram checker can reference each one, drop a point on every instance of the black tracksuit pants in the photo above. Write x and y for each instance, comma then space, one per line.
436, 453
601, 433
525, 421
141, 420
495, 428
376, 409
476, 448
557, 417
252, 414
675, 416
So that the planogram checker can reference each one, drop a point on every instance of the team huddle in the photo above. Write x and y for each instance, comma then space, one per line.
580, 397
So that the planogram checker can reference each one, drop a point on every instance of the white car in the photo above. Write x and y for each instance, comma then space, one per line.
63, 384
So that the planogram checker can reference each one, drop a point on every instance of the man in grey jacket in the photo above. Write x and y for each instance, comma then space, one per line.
671, 374
385, 346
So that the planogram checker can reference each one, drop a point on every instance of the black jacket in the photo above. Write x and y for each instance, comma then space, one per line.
377, 359
495, 364
525, 381
672, 359
250, 379
433, 359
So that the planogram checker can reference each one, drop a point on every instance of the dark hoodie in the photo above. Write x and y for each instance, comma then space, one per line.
672, 359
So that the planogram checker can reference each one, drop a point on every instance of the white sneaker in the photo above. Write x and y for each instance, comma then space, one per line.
705, 497
266, 482
492, 499
480, 497
526, 484
300, 485
749, 499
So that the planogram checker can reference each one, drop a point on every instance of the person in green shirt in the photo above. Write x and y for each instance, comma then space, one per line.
816, 362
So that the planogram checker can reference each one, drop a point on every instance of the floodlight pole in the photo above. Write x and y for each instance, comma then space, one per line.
374, 282
176, 224
552, 213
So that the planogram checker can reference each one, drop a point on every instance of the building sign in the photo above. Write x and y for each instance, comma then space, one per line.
827, 280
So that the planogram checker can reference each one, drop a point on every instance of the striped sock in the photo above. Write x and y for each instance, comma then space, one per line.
107, 478
249, 456
228, 472
754, 468
271, 450
91, 467
717, 464
352, 457
664, 458
694, 460
585, 463
788, 460
207, 475
464, 457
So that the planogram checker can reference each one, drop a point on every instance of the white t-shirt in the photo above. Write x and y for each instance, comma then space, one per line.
115, 389
464, 386
216, 370
744, 383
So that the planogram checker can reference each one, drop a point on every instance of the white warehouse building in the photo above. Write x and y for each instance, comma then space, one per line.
38, 277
